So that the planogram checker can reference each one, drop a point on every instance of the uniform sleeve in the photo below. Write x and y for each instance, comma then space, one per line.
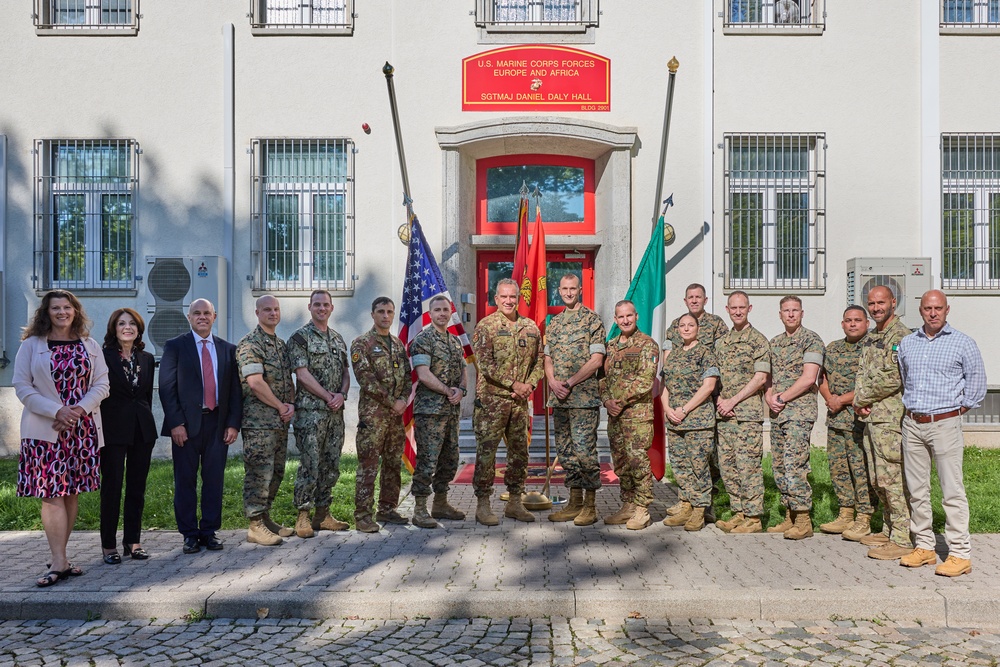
407, 385
721, 330
250, 358
298, 351
366, 376
762, 356
671, 337
709, 365
538, 371
420, 352
597, 337
482, 345
814, 352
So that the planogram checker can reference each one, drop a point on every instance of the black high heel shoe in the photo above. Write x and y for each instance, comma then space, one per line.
137, 554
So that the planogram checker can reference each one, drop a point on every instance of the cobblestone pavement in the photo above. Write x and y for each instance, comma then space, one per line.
518, 641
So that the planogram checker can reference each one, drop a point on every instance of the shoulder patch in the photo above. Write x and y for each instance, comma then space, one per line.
299, 339
356, 357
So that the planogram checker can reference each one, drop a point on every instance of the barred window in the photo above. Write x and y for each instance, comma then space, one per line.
80, 17
85, 221
303, 214
775, 236
781, 14
970, 14
537, 15
276, 17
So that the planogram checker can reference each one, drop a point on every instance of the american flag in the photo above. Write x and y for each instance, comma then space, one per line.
423, 282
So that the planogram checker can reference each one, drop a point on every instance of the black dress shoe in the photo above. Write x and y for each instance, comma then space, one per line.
212, 543
191, 545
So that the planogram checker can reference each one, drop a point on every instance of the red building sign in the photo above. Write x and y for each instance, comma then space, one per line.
536, 78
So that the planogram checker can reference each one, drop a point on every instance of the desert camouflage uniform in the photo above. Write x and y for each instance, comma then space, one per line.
570, 339
844, 431
265, 436
319, 431
880, 386
742, 354
508, 352
383, 372
791, 428
629, 371
691, 441
435, 419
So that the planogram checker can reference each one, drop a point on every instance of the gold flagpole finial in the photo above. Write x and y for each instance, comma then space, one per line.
673, 65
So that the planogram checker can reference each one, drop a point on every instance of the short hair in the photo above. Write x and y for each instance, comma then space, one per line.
696, 322
506, 281
320, 291
41, 324
625, 302
579, 283
111, 336
738, 292
695, 286
856, 307
790, 297
439, 297
382, 300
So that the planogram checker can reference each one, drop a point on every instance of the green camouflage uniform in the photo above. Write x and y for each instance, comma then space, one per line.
383, 372
508, 352
879, 385
570, 339
844, 432
710, 329
791, 428
265, 436
319, 431
741, 355
683, 374
435, 419
629, 371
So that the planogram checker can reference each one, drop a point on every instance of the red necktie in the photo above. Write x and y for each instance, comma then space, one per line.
208, 376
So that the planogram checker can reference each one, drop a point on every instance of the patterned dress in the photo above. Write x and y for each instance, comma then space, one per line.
72, 464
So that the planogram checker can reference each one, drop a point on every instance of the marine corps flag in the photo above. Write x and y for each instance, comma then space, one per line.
521, 243
534, 302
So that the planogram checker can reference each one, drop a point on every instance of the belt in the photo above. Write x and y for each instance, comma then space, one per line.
927, 419
206, 411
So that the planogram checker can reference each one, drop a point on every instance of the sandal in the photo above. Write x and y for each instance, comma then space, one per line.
50, 578
112, 558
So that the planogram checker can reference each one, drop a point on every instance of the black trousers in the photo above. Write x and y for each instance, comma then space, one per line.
115, 473
207, 451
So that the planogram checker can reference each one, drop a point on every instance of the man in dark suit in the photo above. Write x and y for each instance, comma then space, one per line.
202, 411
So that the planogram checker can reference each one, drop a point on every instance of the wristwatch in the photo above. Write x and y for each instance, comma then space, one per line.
465, 392
779, 400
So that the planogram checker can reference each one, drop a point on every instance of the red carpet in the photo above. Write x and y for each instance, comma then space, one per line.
536, 475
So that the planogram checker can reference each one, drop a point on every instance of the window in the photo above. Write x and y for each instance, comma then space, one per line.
303, 214
970, 14
82, 17
986, 414
537, 15
302, 17
85, 222
780, 15
775, 236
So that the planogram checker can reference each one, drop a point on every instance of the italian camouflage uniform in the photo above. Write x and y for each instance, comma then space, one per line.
791, 428
741, 355
629, 371
844, 431
435, 418
265, 436
880, 386
691, 441
508, 352
571, 337
383, 372
319, 431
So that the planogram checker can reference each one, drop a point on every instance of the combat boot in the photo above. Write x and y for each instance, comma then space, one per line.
277, 529
710, 514
696, 520
729, 525
442, 510
392, 516
303, 524
364, 524
515, 510
802, 526
677, 508
861, 527
784, 525
623, 515
843, 521
572, 509
587, 515
484, 514
639, 519
874, 540
258, 533
751, 524
323, 520
681, 517
421, 519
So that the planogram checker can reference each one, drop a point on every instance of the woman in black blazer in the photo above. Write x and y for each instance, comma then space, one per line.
129, 433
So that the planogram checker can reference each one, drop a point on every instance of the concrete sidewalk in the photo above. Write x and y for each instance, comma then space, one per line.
513, 570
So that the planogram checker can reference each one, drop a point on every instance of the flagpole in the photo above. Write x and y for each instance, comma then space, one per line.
672, 66
404, 230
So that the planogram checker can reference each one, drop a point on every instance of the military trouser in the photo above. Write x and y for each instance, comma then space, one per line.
437, 452
884, 449
689, 454
319, 437
379, 437
848, 473
264, 452
790, 463
576, 443
741, 448
497, 418
630, 439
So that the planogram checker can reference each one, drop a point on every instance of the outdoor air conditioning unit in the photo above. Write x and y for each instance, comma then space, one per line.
173, 283
907, 277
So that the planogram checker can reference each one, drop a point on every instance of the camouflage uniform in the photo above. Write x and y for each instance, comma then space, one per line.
629, 371
319, 431
742, 354
684, 371
879, 385
435, 419
570, 339
844, 432
710, 329
791, 428
383, 372
508, 352
265, 436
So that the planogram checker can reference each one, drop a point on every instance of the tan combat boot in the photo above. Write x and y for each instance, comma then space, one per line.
588, 515
784, 525
696, 520
515, 510
421, 519
859, 529
303, 524
802, 527
365, 524
572, 509
623, 515
677, 508
731, 523
323, 520
258, 533
751, 524
874, 539
843, 521
681, 517
889, 551
442, 510
277, 529
954, 566
484, 514
639, 519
